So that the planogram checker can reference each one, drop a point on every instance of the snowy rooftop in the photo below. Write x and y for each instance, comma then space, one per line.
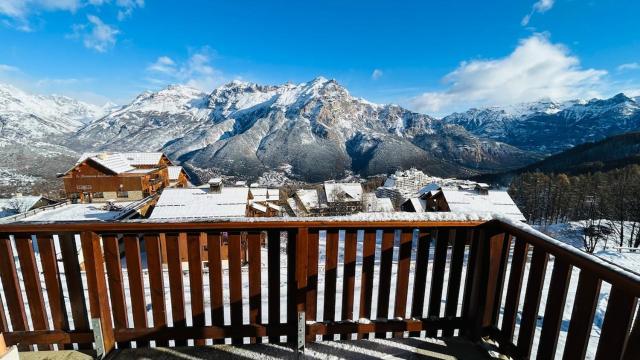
309, 198
78, 212
199, 203
334, 191
265, 194
495, 201
18, 204
123, 162
174, 172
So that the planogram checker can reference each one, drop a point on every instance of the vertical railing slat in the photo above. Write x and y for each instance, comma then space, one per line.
255, 292
97, 290
273, 265
53, 283
366, 281
116, 285
153, 248
32, 287
136, 283
584, 309
402, 282
512, 299
196, 285
214, 243
75, 287
235, 286
420, 278
330, 276
176, 286
632, 347
455, 277
558, 289
616, 324
437, 279
532, 301
349, 277
384, 285
313, 249
11, 288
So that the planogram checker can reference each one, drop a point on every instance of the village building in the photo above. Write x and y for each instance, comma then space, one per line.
332, 199
178, 178
402, 185
372, 203
264, 202
23, 203
101, 177
210, 201
478, 199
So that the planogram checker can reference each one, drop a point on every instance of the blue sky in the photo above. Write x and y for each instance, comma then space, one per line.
430, 56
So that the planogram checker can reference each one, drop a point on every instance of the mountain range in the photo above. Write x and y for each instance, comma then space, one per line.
310, 131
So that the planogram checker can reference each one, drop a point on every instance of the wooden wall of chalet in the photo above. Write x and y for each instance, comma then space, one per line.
89, 178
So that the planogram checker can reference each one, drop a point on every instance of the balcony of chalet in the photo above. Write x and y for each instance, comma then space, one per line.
435, 286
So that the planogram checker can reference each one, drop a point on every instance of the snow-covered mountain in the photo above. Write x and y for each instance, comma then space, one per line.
316, 130
550, 127
33, 132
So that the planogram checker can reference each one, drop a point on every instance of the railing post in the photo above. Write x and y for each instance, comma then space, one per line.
98, 299
487, 280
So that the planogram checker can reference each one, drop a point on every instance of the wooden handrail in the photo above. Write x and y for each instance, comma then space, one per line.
230, 224
606, 271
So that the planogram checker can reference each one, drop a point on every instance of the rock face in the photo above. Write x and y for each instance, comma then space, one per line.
550, 127
316, 130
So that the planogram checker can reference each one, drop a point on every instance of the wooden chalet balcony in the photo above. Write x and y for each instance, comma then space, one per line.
438, 277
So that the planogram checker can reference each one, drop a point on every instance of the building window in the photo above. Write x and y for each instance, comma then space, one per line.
98, 195
122, 194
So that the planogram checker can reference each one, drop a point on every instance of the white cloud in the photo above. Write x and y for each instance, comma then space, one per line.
540, 6
376, 74
536, 69
96, 34
127, 7
18, 14
629, 66
4, 68
196, 71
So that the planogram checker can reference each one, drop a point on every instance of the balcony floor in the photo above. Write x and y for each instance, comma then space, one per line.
407, 348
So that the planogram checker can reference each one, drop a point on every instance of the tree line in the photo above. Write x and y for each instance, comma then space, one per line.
607, 202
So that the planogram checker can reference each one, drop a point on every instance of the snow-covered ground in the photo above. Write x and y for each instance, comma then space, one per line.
562, 232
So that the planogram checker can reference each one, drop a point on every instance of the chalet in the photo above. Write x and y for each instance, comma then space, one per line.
213, 200
100, 177
333, 199
178, 178
21, 204
478, 199
372, 203
264, 202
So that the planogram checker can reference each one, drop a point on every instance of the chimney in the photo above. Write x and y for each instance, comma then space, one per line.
215, 186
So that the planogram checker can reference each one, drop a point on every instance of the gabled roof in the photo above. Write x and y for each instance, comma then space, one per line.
200, 203
352, 191
119, 163
309, 198
265, 194
174, 172
17, 204
496, 201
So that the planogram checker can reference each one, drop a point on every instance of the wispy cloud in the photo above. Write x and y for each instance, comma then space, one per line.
541, 6
536, 69
376, 74
4, 68
127, 7
19, 14
629, 66
196, 71
96, 34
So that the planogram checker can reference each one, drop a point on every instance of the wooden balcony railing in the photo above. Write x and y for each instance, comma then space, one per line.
413, 277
